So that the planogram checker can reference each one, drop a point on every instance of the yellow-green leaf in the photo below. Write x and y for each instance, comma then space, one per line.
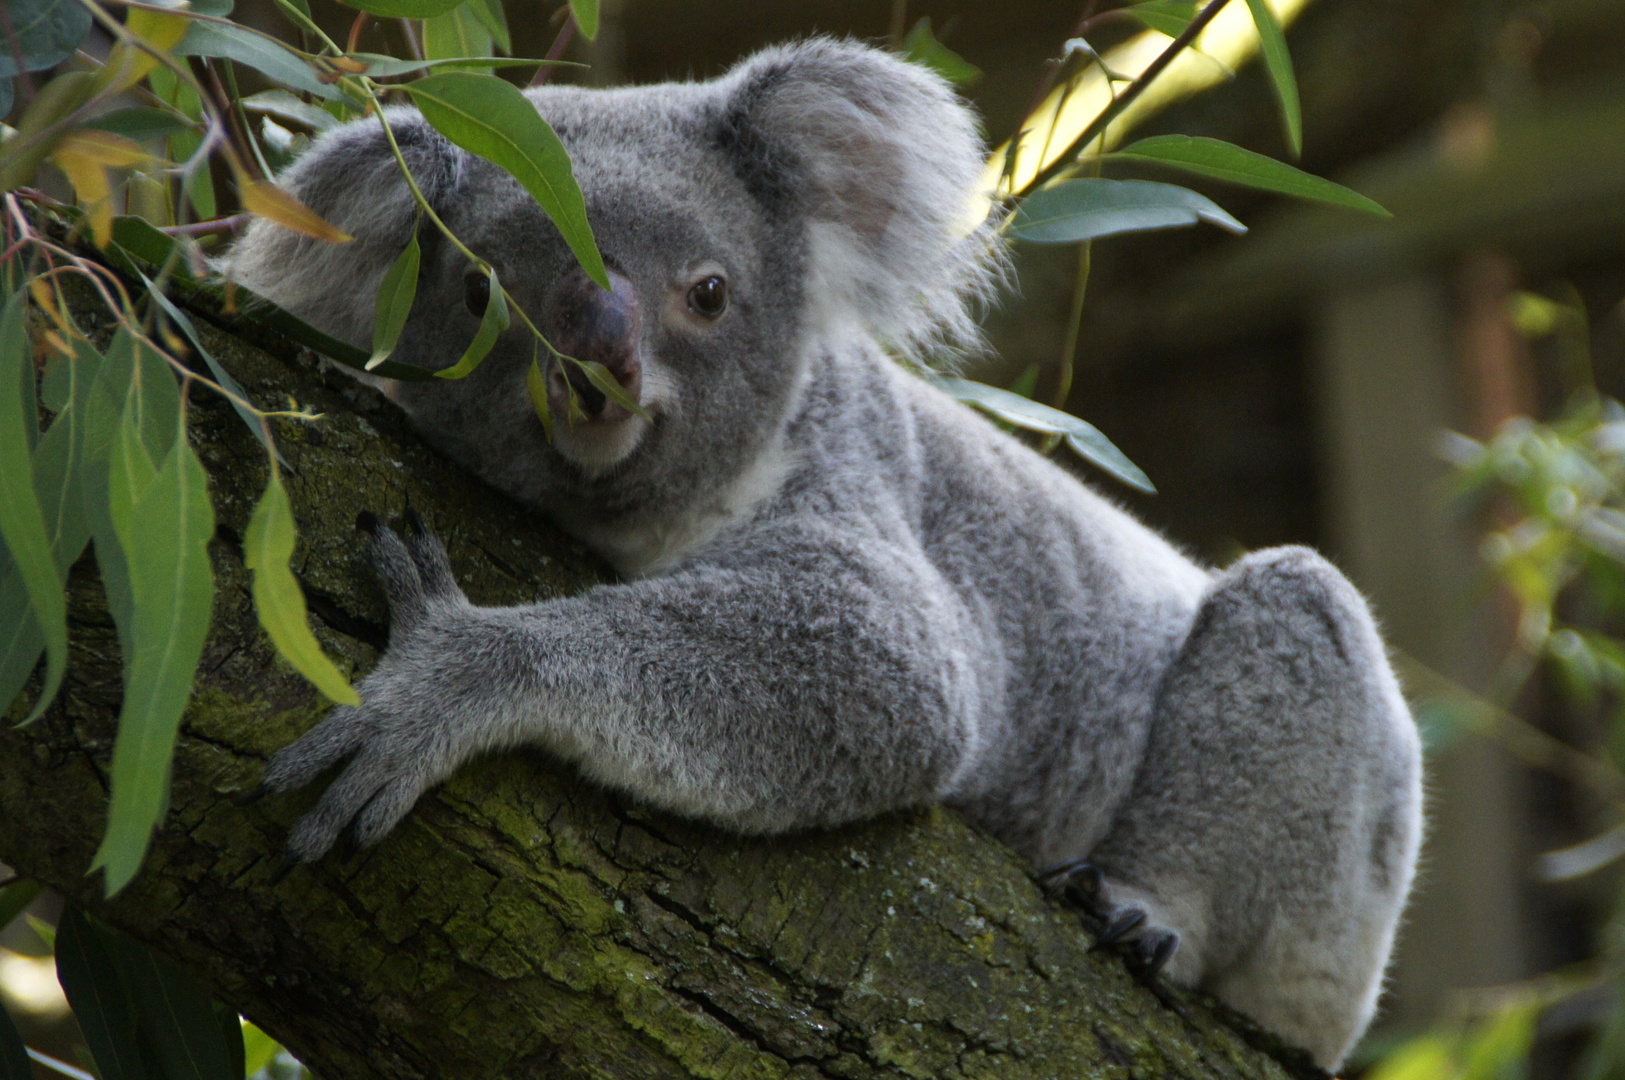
457, 34
395, 295
267, 547
492, 324
269, 201
1278, 63
586, 16
536, 386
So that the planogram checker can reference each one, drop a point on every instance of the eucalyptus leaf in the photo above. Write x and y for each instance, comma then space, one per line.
102, 1003
13, 1051
492, 324
922, 47
495, 20
586, 16
141, 123
177, 1016
404, 9
1169, 17
164, 525
607, 384
264, 54
267, 548
396, 292
1278, 63
1220, 160
15, 897
1085, 209
43, 33
284, 106
22, 519
381, 67
1083, 438
457, 35
491, 118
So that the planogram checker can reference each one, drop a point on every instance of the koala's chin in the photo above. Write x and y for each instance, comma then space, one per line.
599, 444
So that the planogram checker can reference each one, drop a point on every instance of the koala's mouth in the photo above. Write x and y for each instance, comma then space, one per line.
574, 399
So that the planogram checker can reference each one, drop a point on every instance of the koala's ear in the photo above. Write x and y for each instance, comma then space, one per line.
350, 177
885, 165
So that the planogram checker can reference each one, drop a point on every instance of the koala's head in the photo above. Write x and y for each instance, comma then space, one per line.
817, 191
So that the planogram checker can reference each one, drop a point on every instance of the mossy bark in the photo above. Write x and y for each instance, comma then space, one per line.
522, 922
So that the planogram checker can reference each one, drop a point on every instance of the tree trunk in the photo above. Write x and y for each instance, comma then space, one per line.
522, 922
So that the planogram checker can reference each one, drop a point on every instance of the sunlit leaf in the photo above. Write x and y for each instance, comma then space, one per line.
259, 1049
1230, 163
1083, 438
404, 9
922, 47
1278, 63
491, 118
396, 292
267, 547
269, 201
1169, 17
43, 33
163, 526
1431, 1057
1085, 209
161, 30
260, 52
458, 34
495, 20
492, 324
22, 520
1499, 1047
103, 1005
586, 16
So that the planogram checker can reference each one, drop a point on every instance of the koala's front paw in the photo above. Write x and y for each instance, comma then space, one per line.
1151, 944
398, 735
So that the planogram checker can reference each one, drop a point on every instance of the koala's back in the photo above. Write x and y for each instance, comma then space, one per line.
1069, 608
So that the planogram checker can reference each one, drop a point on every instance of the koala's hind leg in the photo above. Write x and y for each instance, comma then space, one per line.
1275, 822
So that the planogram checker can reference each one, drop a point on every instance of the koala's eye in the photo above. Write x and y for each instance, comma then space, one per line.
476, 293
709, 297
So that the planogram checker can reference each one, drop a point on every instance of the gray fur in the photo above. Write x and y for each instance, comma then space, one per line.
846, 593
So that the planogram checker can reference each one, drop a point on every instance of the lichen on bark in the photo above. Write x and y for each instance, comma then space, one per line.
522, 922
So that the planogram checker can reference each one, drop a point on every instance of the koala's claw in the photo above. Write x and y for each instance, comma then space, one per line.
1083, 884
1123, 923
1153, 949
1078, 879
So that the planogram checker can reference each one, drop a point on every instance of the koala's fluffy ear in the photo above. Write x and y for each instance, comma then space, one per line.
886, 164
350, 178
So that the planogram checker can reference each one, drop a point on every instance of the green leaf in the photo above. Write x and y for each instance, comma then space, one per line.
15, 897
43, 33
536, 387
263, 54
141, 122
1278, 62
1169, 17
396, 292
492, 324
1026, 384
239, 396
200, 188
921, 47
1084, 438
177, 1016
13, 1051
259, 1049
1220, 160
404, 9
495, 20
491, 118
22, 520
163, 524
456, 35
1084, 209
599, 376
267, 548
102, 1004
586, 16
284, 106
380, 66
22, 153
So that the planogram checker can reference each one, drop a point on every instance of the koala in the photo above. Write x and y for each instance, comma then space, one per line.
841, 592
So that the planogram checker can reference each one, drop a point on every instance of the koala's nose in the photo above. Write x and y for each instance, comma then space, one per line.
594, 324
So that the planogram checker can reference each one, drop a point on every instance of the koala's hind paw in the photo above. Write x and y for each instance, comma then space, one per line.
1150, 945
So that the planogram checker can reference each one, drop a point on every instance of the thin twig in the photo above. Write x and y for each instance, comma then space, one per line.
556, 50
226, 226
1126, 98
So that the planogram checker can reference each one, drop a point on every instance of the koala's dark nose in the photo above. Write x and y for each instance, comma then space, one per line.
594, 324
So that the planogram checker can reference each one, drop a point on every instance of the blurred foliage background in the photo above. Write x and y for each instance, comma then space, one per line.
1431, 400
